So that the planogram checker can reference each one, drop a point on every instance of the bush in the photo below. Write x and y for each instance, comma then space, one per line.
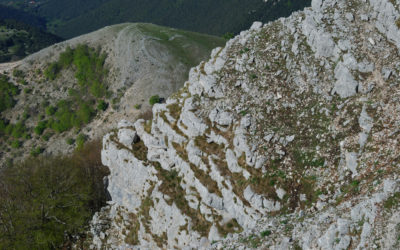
3, 126
52, 71
65, 117
27, 90
70, 141
90, 73
16, 144
26, 136
228, 36
50, 110
138, 106
18, 73
265, 233
154, 99
66, 57
36, 151
25, 115
9, 129
83, 115
102, 105
97, 89
47, 136
41, 126
18, 130
7, 93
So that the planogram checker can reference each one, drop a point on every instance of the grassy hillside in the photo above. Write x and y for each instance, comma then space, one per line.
61, 94
69, 18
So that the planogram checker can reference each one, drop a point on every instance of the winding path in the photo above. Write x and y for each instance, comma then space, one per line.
9, 66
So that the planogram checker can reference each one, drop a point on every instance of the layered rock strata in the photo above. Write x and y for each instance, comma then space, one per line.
287, 138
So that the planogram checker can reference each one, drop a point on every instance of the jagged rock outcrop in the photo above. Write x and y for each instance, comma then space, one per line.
287, 138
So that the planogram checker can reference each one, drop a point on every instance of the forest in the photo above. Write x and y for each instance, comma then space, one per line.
18, 40
217, 17
47, 202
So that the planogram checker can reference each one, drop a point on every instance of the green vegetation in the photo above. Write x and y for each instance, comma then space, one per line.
7, 93
52, 71
154, 99
72, 18
79, 108
18, 39
46, 201
50, 110
80, 141
190, 47
392, 201
252, 240
102, 105
36, 151
70, 141
3, 126
265, 233
18, 130
228, 35
18, 73
68, 115
47, 136
88, 64
75, 111
16, 144
41, 126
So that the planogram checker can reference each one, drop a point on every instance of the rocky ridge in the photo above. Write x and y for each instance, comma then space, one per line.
142, 60
287, 138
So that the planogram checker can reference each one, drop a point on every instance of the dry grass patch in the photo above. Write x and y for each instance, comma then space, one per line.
231, 226
171, 187
133, 235
206, 180
175, 110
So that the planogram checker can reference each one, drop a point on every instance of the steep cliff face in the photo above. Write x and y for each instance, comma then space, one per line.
286, 138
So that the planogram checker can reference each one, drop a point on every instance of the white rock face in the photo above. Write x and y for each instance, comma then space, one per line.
127, 137
345, 85
286, 138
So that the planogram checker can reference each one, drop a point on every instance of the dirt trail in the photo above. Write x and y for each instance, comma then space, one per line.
9, 66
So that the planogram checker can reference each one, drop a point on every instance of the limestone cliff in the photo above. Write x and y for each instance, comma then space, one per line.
287, 138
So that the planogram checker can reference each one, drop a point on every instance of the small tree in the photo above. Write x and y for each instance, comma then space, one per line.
41, 126
154, 99
102, 105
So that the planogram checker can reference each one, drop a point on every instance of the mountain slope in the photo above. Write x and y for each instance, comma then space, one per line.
57, 99
287, 138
